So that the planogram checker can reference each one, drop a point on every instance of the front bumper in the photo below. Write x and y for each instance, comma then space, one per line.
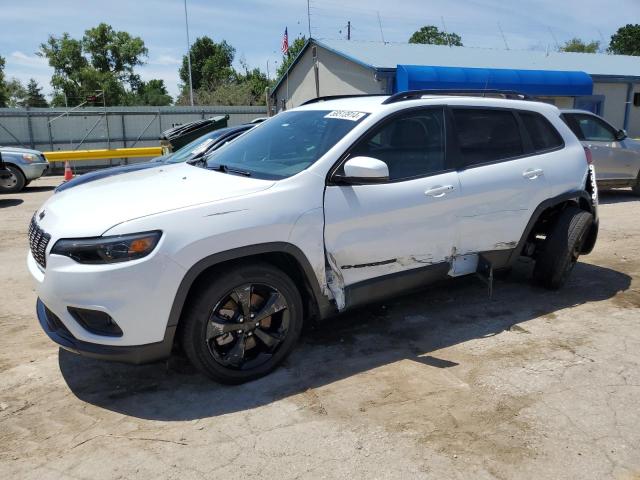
34, 170
136, 354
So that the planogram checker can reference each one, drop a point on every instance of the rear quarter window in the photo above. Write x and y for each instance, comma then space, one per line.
543, 135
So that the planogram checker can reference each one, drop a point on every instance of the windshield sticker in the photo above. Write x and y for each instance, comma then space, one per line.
346, 115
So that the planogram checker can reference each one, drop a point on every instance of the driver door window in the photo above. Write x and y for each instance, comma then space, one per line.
411, 145
594, 130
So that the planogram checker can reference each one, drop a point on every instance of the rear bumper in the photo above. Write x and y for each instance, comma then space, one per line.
134, 354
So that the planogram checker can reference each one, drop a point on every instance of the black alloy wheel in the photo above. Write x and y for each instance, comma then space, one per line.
240, 322
247, 326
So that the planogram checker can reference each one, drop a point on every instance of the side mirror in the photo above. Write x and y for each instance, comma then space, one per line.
363, 170
621, 134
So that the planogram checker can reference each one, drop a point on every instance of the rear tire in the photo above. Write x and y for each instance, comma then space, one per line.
636, 187
13, 184
220, 334
561, 249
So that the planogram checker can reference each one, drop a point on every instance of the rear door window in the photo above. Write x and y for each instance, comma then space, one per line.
486, 135
543, 135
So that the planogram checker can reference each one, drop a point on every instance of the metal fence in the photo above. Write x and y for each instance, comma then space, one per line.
49, 129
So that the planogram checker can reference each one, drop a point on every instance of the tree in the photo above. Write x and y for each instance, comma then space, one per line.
578, 45
16, 93
294, 49
429, 34
626, 41
4, 97
34, 96
210, 64
104, 59
154, 92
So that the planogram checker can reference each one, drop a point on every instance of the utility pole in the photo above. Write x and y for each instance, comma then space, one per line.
504, 39
349, 30
106, 118
380, 25
186, 23
309, 17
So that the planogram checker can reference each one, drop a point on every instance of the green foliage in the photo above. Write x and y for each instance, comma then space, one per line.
626, 41
34, 97
104, 59
154, 92
16, 93
580, 46
4, 97
210, 64
294, 49
429, 34
215, 81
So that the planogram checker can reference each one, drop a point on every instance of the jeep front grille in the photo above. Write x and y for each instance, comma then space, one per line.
38, 241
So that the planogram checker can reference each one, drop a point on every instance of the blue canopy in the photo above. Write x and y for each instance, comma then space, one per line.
532, 82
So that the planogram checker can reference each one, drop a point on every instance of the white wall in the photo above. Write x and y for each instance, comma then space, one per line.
634, 115
615, 101
336, 76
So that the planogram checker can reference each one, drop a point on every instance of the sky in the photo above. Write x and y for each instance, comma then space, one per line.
255, 27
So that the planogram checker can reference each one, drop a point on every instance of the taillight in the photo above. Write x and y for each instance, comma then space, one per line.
587, 153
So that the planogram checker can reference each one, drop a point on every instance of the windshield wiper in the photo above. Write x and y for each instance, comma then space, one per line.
219, 167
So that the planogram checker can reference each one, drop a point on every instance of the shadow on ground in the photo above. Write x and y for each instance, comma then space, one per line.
617, 196
407, 328
39, 188
10, 202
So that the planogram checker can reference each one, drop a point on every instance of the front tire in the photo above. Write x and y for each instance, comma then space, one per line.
242, 323
14, 183
561, 249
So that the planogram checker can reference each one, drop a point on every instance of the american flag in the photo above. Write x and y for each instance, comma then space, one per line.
285, 42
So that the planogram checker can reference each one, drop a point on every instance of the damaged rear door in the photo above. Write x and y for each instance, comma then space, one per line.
502, 177
397, 227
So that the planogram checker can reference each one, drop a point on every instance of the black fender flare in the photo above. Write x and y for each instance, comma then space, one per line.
323, 304
582, 198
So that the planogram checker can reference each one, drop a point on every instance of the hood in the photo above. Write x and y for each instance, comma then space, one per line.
90, 209
104, 173
18, 150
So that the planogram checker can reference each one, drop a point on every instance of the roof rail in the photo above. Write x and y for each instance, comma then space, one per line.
338, 97
416, 94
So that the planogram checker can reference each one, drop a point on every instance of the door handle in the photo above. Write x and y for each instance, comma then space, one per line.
439, 191
532, 173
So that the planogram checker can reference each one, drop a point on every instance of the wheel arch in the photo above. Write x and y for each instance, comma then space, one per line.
285, 256
9, 163
548, 210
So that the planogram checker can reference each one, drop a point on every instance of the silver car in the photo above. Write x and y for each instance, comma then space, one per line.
615, 155
24, 164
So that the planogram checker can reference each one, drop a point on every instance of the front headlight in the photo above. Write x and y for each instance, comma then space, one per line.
117, 248
28, 157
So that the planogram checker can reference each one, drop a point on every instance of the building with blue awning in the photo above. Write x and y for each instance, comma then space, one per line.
608, 85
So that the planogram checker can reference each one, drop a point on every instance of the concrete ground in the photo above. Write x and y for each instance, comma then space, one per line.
444, 384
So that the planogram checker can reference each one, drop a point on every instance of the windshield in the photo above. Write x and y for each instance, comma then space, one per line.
286, 144
194, 147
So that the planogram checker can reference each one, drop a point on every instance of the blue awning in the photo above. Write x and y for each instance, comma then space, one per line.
532, 82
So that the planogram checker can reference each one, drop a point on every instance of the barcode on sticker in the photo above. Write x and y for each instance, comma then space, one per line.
345, 115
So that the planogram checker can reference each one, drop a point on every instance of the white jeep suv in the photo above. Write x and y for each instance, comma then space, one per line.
318, 210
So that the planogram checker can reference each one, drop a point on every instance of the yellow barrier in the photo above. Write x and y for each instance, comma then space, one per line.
104, 154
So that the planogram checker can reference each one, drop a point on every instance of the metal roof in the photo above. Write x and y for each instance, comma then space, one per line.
386, 56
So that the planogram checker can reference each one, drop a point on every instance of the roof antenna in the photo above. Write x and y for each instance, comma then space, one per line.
504, 39
380, 24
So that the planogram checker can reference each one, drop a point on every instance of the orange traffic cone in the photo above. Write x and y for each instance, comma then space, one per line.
68, 174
